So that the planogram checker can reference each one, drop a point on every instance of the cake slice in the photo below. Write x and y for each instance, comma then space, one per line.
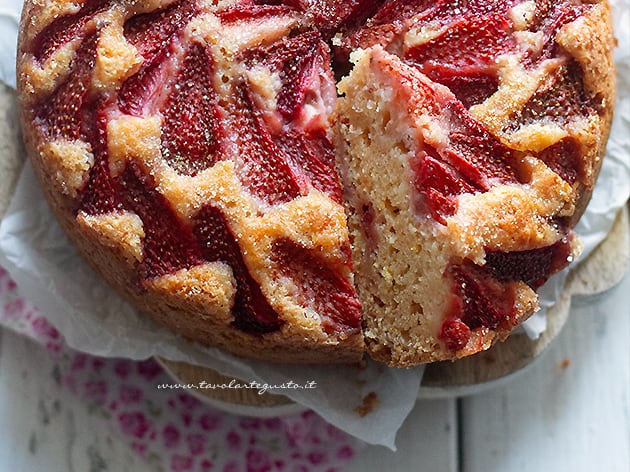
452, 230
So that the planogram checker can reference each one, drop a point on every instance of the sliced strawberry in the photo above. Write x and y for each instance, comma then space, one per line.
467, 43
471, 159
485, 296
245, 12
100, 193
168, 244
533, 266
549, 18
64, 29
191, 129
439, 184
465, 54
455, 333
61, 114
314, 155
477, 154
322, 288
294, 59
264, 169
252, 312
564, 158
329, 16
485, 301
383, 28
153, 35
471, 89
396, 11
560, 99
445, 12
552, 14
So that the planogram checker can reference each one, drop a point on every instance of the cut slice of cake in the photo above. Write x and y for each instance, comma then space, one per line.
452, 230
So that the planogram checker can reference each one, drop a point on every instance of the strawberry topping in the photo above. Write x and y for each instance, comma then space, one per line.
485, 301
294, 60
313, 154
168, 244
61, 115
484, 297
100, 193
533, 266
64, 29
550, 17
464, 56
329, 16
563, 158
455, 333
322, 288
561, 98
471, 160
264, 171
247, 12
191, 129
153, 35
439, 184
252, 312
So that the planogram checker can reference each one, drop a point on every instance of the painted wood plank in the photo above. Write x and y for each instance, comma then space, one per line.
43, 426
570, 411
427, 441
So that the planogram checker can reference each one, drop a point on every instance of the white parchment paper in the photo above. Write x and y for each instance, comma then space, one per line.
95, 320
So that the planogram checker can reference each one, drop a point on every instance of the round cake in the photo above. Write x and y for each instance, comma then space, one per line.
306, 180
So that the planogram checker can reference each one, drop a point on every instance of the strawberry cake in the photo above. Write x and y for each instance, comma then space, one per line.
306, 180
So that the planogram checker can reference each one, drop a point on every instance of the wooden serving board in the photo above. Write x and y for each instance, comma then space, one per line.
602, 270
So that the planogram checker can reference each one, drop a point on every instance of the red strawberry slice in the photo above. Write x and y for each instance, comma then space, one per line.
485, 301
465, 55
532, 266
439, 184
264, 169
471, 159
395, 11
100, 193
477, 154
168, 244
471, 89
323, 289
455, 333
66, 28
61, 115
153, 35
314, 155
295, 60
246, 12
191, 129
329, 16
561, 98
383, 28
549, 18
252, 312
564, 158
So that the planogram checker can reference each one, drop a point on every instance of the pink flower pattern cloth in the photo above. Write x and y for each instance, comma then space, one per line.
170, 429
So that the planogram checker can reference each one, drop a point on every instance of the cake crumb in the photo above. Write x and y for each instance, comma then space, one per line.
564, 364
367, 405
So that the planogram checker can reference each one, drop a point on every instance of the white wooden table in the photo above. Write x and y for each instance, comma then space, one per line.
569, 411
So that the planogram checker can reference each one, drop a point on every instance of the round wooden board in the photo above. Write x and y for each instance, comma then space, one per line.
603, 269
